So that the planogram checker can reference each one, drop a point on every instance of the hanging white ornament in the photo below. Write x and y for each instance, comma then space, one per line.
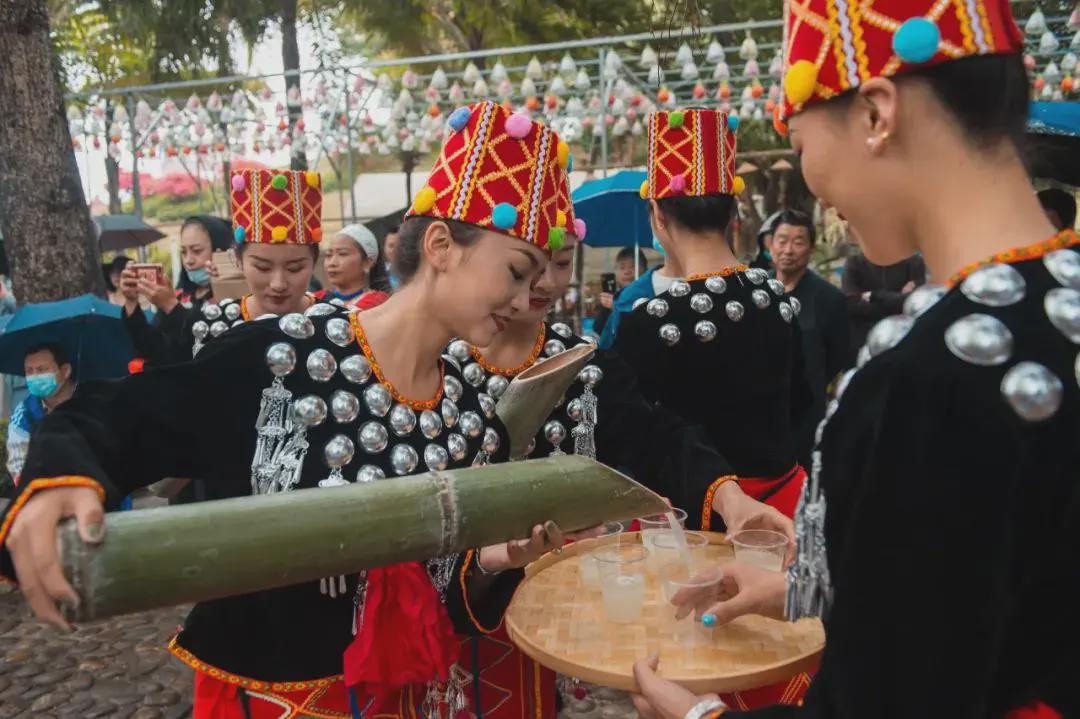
583, 83
471, 74
359, 83
684, 55
575, 107
498, 73
612, 63
1052, 73
432, 94
747, 94
1074, 18
567, 66
74, 114
1036, 23
239, 100
410, 80
383, 149
120, 114
193, 103
438, 79
774, 92
752, 69
456, 93
528, 87
203, 116
721, 71
557, 86
620, 128
405, 98
480, 89
1047, 92
384, 82
776, 66
649, 58
534, 70
656, 75
715, 53
408, 144
505, 89
213, 103
1075, 44
748, 50
292, 97
637, 128
1058, 96
392, 141
746, 112
689, 72
1048, 43
759, 114
1068, 63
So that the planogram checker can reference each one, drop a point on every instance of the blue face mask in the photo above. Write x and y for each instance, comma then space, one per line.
657, 246
42, 386
199, 275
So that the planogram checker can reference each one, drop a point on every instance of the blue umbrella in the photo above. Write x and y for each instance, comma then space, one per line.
1053, 147
613, 210
87, 327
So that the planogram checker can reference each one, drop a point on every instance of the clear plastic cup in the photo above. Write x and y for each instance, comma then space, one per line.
666, 550
704, 583
762, 548
658, 523
590, 573
622, 581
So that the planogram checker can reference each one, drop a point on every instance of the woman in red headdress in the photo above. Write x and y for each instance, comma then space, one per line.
958, 428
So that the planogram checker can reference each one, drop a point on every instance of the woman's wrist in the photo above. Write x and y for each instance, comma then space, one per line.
487, 563
168, 304
726, 496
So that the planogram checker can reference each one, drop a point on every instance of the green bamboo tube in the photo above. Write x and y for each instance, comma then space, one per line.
176, 555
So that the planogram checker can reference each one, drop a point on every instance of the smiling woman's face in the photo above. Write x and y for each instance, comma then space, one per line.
551, 285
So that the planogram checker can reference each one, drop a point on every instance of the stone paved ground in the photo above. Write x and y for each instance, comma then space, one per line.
118, 669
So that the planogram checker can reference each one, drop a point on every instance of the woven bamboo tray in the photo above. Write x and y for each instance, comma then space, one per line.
558, 622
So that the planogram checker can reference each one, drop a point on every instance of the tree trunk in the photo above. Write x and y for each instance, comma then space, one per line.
112, 167
50, 239
290, 59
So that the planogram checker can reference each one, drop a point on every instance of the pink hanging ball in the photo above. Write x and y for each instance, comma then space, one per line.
579, 228
238, 183
678, 183
518, 126
1029, 62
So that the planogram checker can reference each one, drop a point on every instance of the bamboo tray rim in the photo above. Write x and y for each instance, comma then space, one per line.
760, 677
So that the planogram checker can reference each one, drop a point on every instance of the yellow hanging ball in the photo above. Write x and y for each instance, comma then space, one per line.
425, 200
279, 233
563, 153
738, 185
560, 218
644, 191
312, 178
799, 82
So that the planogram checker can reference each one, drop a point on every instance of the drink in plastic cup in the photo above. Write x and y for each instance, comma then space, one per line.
763, 548
590, 573
704, 582
665, 549
622, 581
658, 523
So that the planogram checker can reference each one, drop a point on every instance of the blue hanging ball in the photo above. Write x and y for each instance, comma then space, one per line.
504, 216
238, 234
916, 41
459, 118
733, 123
569, 164
658, 247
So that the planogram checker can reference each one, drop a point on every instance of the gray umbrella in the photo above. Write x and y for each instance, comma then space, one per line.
119, 232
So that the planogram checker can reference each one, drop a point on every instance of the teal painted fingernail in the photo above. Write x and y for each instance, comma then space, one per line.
708, 620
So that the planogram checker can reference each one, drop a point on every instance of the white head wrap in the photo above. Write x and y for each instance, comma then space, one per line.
363, 237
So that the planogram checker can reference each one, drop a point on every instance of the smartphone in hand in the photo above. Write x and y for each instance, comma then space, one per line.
149, 271
607, 282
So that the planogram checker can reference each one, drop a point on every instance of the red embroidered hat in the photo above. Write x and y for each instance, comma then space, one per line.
497, 170
831, 46
691, 153
276, 206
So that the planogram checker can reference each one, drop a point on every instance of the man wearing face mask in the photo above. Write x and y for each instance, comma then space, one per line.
50, 381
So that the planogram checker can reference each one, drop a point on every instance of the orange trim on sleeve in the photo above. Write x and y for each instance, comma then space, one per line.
470, 556
39, 484
706, 509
